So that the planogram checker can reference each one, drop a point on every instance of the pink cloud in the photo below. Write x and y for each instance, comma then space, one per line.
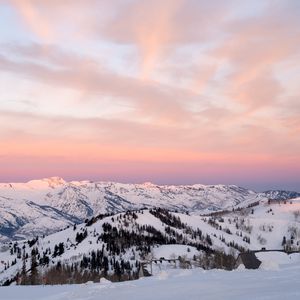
206, 97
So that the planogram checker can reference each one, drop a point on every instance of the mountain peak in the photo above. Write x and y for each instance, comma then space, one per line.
55, 179
46, 182
148, 184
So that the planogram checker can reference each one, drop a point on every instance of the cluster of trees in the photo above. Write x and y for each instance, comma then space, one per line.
91, 221
74, 273
167, 218
290, 244
217, 259
80, 236
92, 266
278, 201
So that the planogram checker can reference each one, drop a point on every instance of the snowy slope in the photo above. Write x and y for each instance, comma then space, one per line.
176, 285
265, 224
43, 206
157, 233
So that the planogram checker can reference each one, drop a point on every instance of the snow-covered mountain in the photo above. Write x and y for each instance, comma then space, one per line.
45, 206
280, 195
115, 246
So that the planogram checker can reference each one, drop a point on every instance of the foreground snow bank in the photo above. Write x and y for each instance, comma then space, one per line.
176, 284
280, 258
274, 260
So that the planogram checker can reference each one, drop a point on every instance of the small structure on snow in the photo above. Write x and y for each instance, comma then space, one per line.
249, 260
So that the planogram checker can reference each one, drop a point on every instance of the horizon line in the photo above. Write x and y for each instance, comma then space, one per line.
141, 183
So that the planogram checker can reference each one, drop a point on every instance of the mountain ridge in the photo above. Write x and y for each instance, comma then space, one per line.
46, 205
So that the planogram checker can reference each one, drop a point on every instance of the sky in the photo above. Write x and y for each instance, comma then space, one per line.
172, 92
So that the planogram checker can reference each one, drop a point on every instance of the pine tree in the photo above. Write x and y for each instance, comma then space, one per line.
34, 271
23, 273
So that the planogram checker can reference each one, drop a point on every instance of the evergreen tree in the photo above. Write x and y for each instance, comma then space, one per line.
23, 273
34, 272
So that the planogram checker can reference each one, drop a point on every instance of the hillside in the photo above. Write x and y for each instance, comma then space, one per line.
115, 246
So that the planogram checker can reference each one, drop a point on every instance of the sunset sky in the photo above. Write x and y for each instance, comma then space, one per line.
167, 91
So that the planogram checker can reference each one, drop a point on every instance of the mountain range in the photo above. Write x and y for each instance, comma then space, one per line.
44, 206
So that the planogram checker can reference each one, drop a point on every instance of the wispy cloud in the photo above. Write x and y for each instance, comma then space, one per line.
148, 82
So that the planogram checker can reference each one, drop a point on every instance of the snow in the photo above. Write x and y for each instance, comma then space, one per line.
177, 284
173, 251
278, 272
268, 222
58, 203
280, 258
